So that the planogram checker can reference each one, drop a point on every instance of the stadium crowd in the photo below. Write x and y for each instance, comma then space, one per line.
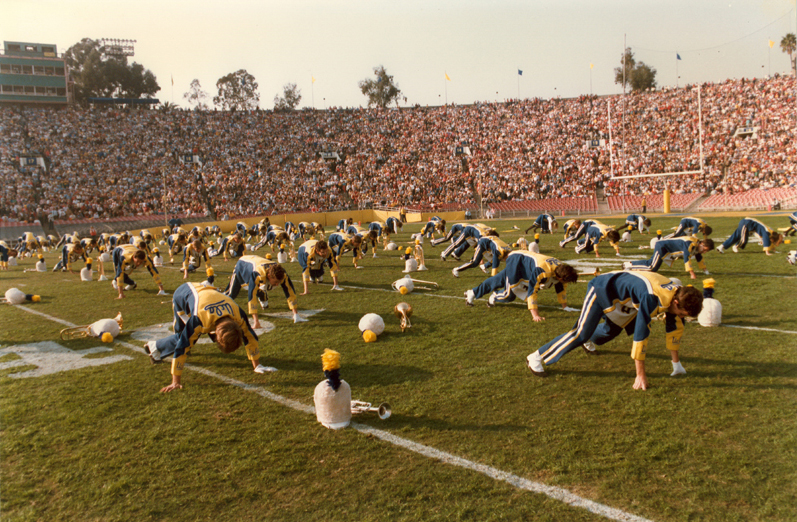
113, 162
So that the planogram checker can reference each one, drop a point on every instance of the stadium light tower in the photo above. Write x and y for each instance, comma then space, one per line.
117, 48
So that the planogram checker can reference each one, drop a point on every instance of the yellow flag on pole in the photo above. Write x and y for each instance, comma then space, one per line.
447, 78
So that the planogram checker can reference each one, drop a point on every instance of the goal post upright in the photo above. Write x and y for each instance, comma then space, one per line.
668, 174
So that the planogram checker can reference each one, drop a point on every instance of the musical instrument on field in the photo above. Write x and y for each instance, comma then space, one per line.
406, 285
95, 329
403, 311
383, 410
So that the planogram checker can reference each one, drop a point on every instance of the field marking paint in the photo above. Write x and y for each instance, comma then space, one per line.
757, 328
555, 493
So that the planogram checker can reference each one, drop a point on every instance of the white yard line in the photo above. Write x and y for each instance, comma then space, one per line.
555, 493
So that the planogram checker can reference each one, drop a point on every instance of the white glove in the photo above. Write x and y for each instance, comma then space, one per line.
264, 369
677, 369
568, 309
298, 319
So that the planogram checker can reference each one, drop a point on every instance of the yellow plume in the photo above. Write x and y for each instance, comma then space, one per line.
330, 359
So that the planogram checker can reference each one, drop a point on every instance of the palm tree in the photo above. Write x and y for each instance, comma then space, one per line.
168, 106
788, 45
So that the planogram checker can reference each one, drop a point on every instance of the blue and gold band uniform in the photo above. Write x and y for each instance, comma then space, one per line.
306, 230
596, 233
363, 232
435, 224
580, 231
453, 233
666, 250
197, 309
570, 227
251, 270
625, 300
309, 260
192, 258
29, 243
687, 227
232, 245
469, 237
70, 253
341, 243
393, 225
637, 221
524, 275
176, 244
545, 222
124, 264
792, 224
742, 233
492, 249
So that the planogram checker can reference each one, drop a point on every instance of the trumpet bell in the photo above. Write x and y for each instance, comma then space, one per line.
383, 410
403, 311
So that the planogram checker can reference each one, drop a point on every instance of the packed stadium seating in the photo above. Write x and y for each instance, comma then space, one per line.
530, 155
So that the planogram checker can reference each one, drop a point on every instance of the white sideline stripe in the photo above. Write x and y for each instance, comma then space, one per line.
555, 493
559, 494
50, 317
757, 328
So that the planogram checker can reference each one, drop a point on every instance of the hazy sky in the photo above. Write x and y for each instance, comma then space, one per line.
480, 45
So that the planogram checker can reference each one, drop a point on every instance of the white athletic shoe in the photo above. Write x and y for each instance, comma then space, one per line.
131, 287
627, 265
422, 268
336, 287
299, 319
590, 348
721, 249
534, 363
102, 278
114, 284
491, 300
677, 369
263, 304
264, 369
455, 272
154, 354
735, 249
484, 268
469, 297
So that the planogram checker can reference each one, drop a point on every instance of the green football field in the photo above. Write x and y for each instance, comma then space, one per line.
473, 435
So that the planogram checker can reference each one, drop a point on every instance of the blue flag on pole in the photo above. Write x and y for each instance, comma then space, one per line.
519, 72
678, 56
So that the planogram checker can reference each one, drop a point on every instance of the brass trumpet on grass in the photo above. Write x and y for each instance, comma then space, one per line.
403, 311
95, 329
383, 410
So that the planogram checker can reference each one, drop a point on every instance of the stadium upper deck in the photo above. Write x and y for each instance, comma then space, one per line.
111, 162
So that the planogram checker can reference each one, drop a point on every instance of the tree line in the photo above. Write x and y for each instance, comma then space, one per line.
98, 72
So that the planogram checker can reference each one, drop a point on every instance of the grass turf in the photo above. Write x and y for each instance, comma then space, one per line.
100, 443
